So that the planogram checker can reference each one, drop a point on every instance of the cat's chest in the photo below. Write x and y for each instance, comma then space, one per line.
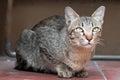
78, 60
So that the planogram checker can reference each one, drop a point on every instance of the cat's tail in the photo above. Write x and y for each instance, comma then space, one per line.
7, 48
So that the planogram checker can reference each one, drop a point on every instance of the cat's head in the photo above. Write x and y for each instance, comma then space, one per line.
84, 31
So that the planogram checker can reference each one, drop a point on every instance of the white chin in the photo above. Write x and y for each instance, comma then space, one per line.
88, 46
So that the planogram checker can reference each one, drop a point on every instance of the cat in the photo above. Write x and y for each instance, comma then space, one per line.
61, 45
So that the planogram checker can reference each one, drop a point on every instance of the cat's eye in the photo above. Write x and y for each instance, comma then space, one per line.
96, 29
79, 29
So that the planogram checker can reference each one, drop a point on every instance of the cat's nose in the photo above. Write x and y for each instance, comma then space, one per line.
88, 37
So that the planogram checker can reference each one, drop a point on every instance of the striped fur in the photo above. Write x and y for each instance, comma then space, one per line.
62, 45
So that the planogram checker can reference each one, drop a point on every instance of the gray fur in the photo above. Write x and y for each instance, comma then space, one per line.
50, 46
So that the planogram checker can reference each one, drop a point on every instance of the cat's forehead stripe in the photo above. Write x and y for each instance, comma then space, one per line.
87, 21
82, 24
92, 24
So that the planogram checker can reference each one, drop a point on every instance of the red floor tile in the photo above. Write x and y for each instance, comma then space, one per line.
109, 65
111, 70
112, 74
94, 74
7, 71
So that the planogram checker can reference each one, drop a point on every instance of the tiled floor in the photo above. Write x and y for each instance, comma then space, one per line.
98, 70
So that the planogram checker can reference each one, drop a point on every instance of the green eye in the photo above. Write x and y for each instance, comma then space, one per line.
79, 29
96, 29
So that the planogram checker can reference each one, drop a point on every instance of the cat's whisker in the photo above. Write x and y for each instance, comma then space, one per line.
100, 42
101, 39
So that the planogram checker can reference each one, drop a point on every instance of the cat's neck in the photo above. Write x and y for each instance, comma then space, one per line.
76, 58
81, 49
80, 53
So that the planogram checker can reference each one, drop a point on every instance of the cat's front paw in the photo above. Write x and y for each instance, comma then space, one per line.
82, 74
64, 72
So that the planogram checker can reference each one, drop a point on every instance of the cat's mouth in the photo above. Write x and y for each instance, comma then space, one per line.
88, 45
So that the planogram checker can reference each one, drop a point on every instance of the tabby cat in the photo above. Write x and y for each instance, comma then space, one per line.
61, 45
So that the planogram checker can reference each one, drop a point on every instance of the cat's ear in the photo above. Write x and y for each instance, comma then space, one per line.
99, 14
70, 15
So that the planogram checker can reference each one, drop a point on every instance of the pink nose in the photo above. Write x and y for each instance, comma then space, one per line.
88, 37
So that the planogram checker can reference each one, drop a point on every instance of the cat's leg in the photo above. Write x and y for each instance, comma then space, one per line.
25, 50
64, 71
83, 74
20, 62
